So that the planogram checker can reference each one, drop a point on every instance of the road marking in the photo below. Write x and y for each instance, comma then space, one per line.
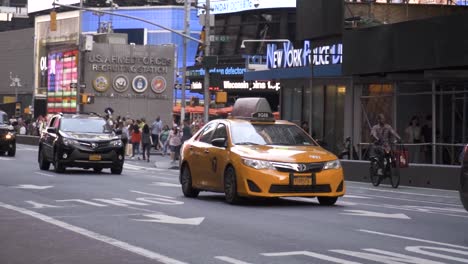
399, 207
420, 250
7, 159
400, 192
96, 236
383, 256
166, 219
406, 187
412, 200
44, 174
166, 184
310, 254
231, 260
82, 201
37, 205
32, 187
119, 202
355, 196
151, 194
411, 238
375, 214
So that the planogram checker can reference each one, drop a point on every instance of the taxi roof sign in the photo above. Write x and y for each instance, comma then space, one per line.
248, 108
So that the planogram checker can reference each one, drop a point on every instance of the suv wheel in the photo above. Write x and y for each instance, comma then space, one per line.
12, 151
43, 163
59, 168
117, 170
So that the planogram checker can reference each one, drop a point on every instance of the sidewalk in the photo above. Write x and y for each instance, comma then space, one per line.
156, 160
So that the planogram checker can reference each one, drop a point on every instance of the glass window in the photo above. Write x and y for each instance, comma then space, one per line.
269, 134
220, 132
84, 125
3, 118
207, 132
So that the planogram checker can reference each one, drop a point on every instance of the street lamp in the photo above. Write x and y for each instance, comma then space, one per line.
263, 40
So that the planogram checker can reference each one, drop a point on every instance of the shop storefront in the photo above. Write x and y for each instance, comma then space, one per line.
313, 90
415, 78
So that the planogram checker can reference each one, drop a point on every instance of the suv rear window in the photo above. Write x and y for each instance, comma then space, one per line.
84, 125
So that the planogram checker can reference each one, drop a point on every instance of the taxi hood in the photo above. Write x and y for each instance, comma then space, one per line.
293, 154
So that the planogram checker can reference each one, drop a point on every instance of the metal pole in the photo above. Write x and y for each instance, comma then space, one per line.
433, 122
78, 66
207, 70
184, 56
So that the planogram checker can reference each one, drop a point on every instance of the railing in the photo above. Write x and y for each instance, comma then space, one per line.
444, 146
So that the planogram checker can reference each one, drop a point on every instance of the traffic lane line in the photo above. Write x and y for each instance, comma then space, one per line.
370, 196
96, 236
454, 196
44, 174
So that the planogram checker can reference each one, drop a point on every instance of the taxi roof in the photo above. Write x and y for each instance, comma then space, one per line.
253, 110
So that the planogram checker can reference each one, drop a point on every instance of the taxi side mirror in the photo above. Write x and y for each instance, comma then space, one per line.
219, 142
52, 130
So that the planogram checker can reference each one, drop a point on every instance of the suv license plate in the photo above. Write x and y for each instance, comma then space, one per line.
302, 181
94, 157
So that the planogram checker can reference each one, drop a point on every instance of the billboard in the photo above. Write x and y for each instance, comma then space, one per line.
62, 72
232, 6
35, 5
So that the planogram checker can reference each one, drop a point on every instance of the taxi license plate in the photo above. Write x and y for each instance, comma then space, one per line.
302, 181
95, 157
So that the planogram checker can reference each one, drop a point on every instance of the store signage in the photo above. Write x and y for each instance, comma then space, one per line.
124, 64
289, 57
223, 71
232, 6
228, 85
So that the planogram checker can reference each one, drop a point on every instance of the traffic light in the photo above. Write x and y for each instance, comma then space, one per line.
87, 98
18, 109
53, 21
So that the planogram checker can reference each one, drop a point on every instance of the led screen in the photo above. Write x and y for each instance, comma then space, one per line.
62, 71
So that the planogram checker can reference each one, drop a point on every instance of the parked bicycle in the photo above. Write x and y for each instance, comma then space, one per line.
386, 163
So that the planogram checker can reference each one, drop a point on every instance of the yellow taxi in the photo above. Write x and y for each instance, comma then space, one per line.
253, 155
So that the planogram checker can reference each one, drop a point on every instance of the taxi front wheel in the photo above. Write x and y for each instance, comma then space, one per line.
186, 181
327, 200
230, 186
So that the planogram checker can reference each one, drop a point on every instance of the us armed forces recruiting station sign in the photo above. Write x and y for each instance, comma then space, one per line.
133, 80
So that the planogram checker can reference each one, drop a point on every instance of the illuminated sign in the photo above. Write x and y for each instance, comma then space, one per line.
61, 73
232, 6
289, 57
228, 85
223, 71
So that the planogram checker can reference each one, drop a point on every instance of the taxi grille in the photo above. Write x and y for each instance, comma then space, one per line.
321, 188
308, 167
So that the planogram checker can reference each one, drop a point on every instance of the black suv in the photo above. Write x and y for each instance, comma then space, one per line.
80, 140
7, 136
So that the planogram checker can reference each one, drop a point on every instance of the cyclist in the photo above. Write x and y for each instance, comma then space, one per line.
383, 134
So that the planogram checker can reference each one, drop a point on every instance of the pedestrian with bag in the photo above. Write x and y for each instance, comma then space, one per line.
175, 142
163, 142
156, 129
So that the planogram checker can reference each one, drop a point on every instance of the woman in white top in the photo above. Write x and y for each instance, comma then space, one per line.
175, 142
413, 135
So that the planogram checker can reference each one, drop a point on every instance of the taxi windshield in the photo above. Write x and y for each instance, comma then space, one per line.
269, 134
84, 125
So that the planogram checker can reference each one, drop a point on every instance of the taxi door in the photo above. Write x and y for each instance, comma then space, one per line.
199, 163
218, 157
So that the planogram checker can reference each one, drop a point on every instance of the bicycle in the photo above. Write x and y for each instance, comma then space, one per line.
388, 165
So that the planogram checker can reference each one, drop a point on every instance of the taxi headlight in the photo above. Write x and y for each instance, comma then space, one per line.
116, 143
258, 164
330, 165
70, 142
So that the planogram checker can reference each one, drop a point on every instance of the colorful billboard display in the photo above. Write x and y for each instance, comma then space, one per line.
62, 73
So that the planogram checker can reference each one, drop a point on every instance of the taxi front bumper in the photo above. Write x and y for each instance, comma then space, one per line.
274, 183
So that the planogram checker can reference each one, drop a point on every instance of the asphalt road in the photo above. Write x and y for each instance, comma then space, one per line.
141, 216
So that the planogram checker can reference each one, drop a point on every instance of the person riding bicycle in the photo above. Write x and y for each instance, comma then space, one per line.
383, 134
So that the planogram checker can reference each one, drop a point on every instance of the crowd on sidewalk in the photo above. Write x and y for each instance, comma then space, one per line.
141, 137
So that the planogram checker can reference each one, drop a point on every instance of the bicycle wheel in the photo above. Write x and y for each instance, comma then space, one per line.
395, 176
374, 177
